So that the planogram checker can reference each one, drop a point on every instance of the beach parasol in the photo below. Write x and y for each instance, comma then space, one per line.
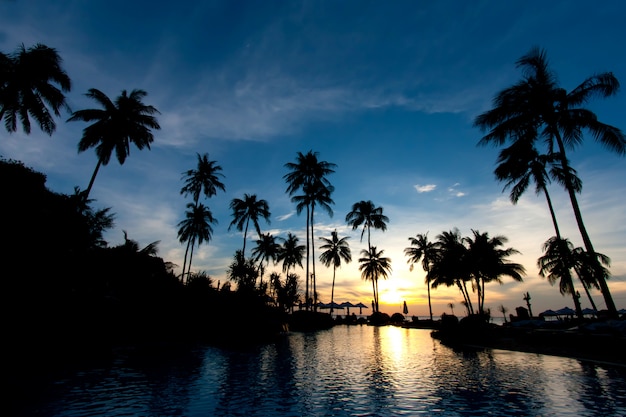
361, 306
590, 311
565, 311
347, 305
548, 313
405, 309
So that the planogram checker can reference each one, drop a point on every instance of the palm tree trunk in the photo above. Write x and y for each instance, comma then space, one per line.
245, 236
93, 178
307, 257
552, 214
430, 307
604, 288
375, 306
332, 291
182, 275
190, 257
313, 260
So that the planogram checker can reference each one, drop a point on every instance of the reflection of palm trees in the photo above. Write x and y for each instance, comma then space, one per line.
196, 227
537, 107
115, 127
335, 250
250, 209
28, 87
374, 266
204, 179
422, 248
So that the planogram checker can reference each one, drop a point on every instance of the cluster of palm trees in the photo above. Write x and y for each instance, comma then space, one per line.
537, 111
453, 260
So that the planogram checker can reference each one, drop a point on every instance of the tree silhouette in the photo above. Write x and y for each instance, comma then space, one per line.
422, 248
335, 250
115, 126
374, 266
246, 210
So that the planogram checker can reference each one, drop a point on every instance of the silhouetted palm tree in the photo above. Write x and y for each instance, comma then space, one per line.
291, 253
585, 269
487, 262
28, 87
555, 265
266, 248
115, 126
450, 265
204, 179
367, 214
335, 250
314, 194
196, 227
246, 210
374, 266
422, 248
537, 107
308, 174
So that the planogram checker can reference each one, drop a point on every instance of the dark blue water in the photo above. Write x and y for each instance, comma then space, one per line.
345, 371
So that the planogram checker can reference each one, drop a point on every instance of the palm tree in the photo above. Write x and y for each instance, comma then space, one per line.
314, 194
422, 248
266, 248
335, 250
115, 126
450, 265
196, 227
367, 214
308, 174
246, 210
451, 305
291, 253
502, 309
585, 269
537, 107
373, 266
555, 265
205, 179
28, 86
487, 262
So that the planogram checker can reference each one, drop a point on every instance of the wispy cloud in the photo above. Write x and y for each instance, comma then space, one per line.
424, 188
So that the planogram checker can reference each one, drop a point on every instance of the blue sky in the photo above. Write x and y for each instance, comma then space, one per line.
385, 90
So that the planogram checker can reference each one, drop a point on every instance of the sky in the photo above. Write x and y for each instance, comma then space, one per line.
387, 91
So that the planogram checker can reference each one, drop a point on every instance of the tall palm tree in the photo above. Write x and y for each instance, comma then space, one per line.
308, 174
422, 248
196, 227
314, 194
246, 210
487, 262
374, 266
537, 107
367, 214
204, 179
450, 265
335, 250
267, 248
291, 253
115, 126
32, 83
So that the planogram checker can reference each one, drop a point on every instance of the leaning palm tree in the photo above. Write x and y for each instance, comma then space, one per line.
308, 174
538, 108
335, 250
555, 265
32, 83
367, 214
374, 266
115, 126
422, 248
291, 253
487, 262
246, 210
584, 266
196, 227
267, 248
205, 179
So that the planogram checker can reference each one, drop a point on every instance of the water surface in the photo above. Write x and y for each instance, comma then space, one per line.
344, 371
